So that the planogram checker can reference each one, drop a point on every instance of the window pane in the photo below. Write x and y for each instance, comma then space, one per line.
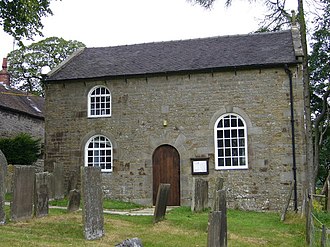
220, 124
240, 123
235, 161
242, 152
221, 162
242, 161
241, 133
228, 162
227, 152
220, 143
241, 142
220, 133
226, 124
227, 133
227, 143
234, 123
234, 133
234, 142
220, 152
234, 152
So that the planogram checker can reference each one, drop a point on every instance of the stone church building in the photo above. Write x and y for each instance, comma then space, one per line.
167, 112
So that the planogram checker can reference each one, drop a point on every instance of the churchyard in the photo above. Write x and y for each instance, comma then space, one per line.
181, 228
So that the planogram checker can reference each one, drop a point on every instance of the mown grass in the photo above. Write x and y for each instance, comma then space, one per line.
107, 204
180, 228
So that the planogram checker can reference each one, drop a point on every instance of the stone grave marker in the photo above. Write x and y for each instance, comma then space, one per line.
93, 219
133, 242
51, 186
200, 195
58, 181
217, 228
3, 172
41, 197
161, 202
74, 200
218, 186
21, 207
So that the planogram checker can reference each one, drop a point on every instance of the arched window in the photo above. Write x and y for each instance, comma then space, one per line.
230, 139
99, 102
98, 152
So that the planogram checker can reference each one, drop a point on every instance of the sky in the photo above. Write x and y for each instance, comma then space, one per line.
100, 23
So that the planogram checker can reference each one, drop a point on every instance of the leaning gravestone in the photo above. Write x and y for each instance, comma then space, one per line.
58, 181
23, 193
41, 194
74, 200
3, 172
200, 195
133, 242
92, 202
161, 202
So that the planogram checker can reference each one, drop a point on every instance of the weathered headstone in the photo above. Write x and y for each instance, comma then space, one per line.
133, 242
23, 193
214, 229
41, 194
92, 202
58, 181
161, 202
200, 195
74, 200
51, 186
3, 172
218, 186
220, 206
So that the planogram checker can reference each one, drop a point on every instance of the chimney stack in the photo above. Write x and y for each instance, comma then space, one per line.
4, 75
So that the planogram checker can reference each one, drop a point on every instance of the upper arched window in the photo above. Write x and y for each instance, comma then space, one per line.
230, 141
99, 102
98, 152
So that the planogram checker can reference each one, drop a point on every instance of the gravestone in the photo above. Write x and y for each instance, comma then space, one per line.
3, 172
200, 195
74, 200
133, 242
51, 186
58, 181
41, 194
218, 186
21, 207
91, 185
220, 207
161, 202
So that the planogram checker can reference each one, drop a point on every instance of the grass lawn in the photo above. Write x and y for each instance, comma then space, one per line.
180, 228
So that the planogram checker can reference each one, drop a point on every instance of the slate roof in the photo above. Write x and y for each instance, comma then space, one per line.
21, 102
215, 53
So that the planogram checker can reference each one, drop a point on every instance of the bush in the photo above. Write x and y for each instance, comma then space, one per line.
23, 149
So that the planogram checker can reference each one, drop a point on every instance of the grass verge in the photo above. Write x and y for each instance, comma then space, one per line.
181, 228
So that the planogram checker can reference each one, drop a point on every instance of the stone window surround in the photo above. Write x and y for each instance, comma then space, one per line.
86, 149
89, 102
212, 125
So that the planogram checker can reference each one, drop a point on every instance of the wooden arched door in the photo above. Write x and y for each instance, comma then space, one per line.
166, 169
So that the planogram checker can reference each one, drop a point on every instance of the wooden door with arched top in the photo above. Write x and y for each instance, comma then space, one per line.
166, 169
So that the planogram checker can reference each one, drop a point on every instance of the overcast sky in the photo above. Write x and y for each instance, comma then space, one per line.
112, 22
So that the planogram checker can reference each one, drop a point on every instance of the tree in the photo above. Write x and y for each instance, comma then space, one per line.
26, 63
320, 86
22, 149
22, 19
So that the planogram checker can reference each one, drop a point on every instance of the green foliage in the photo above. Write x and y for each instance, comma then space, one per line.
26, 63
21, 18
21, 150
320, 84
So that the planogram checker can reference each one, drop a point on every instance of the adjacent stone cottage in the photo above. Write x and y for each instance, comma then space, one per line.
167, 112
20, 112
